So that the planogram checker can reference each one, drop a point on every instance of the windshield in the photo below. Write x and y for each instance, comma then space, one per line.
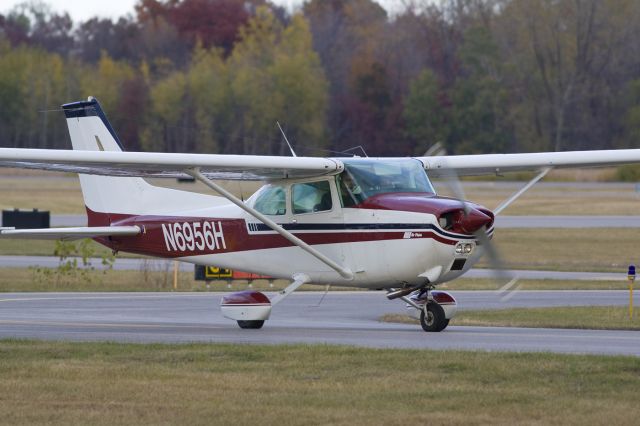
362, 179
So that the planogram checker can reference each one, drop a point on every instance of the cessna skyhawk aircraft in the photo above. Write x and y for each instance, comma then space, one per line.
358, 222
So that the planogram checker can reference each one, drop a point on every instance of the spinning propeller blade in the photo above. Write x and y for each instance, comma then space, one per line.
505, 292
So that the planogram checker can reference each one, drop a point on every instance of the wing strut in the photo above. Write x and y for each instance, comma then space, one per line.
521, 191
344, 272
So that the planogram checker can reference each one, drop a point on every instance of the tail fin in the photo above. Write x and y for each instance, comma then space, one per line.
90, 130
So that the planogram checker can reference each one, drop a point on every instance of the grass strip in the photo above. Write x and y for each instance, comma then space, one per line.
146, 279
570, 249
112, 384
579, 317
465, 284
152, 278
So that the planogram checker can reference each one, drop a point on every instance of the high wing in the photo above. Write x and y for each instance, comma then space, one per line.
256, 167
153, 164
68, 234
98, 151
482, 164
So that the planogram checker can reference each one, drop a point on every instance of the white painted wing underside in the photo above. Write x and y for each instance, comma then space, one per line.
152, 164
253, 167
466, 165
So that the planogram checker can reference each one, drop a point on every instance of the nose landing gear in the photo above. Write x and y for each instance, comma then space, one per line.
433, 308
432, 317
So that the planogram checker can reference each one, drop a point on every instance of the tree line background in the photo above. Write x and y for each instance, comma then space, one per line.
214, 76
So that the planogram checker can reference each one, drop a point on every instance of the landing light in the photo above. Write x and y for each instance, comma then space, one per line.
464, 248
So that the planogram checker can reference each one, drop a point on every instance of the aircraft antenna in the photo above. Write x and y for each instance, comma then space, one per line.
353, 148
435, 149
286, 140
326, 290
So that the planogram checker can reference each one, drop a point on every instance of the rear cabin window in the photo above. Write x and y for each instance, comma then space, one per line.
311, 197
271, 201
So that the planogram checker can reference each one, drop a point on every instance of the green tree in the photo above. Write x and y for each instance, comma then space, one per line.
119, 87
301, 89
479, 114
208, 95
275, 75
27, 94
631, 121
253, 90
167, 106
105, 80
425, 115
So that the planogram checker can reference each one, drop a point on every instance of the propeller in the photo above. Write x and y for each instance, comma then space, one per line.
502, 274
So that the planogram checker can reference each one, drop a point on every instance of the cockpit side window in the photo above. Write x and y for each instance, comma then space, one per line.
311, 197
350, 191
271, 201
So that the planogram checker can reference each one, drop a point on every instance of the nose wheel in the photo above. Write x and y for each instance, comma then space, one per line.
252, 324
432, 317
434, 308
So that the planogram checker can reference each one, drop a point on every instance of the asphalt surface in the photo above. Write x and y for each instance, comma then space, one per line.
349, 318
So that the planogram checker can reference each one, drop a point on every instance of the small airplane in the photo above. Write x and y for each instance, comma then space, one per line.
374, 223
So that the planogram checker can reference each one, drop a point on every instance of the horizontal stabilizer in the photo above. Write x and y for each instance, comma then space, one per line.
68, 234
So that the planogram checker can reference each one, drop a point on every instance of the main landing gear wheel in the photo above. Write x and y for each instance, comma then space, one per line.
251, 324
432, 318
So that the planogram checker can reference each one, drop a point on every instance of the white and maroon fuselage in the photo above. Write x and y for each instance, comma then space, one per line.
387, 240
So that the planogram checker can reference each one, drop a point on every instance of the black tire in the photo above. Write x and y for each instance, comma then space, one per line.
251, 324
435, 320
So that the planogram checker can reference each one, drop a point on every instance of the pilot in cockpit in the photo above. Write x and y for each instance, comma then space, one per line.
350, 190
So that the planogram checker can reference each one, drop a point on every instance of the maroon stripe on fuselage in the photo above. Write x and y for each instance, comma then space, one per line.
153, 241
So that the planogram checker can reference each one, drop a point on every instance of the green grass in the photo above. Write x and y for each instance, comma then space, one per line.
488, 284
112, 384
17, 247
30, 279
580, 317
151, 279
570, 249
61, 194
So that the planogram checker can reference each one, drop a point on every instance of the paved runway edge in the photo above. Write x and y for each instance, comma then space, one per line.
349, 318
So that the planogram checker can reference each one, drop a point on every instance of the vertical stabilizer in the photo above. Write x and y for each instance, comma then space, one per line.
90, 130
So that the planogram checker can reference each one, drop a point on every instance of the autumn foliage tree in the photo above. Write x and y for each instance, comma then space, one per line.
216, 75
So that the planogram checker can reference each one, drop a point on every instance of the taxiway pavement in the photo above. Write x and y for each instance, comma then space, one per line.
349, 318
